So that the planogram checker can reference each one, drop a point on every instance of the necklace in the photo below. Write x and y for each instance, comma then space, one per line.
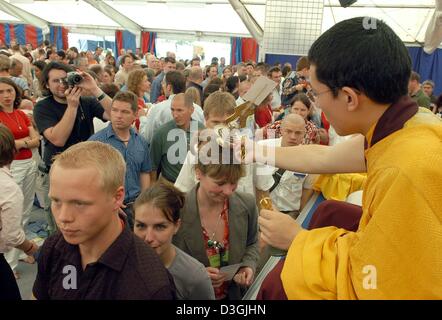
16, 120
212, 243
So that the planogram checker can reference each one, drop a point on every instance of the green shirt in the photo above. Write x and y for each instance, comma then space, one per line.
422, 99
169, 148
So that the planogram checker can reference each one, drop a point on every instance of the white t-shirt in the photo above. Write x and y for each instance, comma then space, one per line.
287, 195
159, 114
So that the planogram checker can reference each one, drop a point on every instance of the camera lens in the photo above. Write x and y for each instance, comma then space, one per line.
77, 79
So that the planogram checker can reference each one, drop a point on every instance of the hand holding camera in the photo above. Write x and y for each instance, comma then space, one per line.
82, 80
73, 95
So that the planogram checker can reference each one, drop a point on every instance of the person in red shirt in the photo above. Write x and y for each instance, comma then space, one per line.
264, 113
23, 168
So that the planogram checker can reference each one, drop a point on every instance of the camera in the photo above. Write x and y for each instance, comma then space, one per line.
73, 78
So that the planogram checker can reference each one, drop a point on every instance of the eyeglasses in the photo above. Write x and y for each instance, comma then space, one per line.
315, 94
62, 81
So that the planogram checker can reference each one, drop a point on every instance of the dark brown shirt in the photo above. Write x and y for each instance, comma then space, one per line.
128, 269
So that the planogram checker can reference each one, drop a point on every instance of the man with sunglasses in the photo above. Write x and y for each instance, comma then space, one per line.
66, 116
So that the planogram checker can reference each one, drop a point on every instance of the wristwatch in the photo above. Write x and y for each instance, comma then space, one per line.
101, 96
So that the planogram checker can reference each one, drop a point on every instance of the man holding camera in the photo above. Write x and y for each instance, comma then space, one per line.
66, 116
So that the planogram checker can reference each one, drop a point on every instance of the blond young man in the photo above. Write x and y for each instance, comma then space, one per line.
95, 255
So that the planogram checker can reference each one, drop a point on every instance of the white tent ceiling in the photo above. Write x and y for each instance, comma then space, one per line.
409, 18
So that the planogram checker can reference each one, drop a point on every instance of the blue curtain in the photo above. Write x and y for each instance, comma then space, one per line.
56, 36
129, 41
19, 30
236, 50
39, 36
429, 66
7, 34
271, 59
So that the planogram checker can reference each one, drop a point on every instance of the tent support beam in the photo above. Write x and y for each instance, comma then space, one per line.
113, 14
24, 16
433, 35
248, 20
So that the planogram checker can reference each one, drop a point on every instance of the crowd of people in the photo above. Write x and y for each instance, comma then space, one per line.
116, 144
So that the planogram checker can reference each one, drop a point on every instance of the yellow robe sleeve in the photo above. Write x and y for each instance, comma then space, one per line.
395, 254
339, 186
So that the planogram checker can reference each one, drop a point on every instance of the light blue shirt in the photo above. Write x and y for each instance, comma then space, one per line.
135, 154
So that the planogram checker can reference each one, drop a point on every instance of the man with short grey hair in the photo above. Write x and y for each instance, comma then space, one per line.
428, 87
174, 135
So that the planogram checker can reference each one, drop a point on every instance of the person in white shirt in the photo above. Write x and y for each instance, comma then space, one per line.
127, 65
11, 210
275, 75
288, 190
26, 71
217, 108
160, 113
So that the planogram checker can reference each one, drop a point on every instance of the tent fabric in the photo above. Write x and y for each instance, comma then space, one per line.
124, 40
118, 42
22, 33
19, 32
85, 45
9, 34
148, 42
243, 49
250, 49
236, 50
59, 37
429, 66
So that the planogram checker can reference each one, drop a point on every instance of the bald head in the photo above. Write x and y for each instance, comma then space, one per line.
182, 109
292, 130
178, 99
293, 118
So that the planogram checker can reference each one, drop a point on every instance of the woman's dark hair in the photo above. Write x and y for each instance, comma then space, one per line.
44, 77
29, 56
39, 64
18, 92
211, 88
438, 103
165, 197
7, 146
74, 49
303, 98
232, 83
286, 70
349, 54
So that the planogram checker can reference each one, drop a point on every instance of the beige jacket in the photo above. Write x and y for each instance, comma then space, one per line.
11, 211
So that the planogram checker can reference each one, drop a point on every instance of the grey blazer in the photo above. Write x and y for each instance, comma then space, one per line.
243, 233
